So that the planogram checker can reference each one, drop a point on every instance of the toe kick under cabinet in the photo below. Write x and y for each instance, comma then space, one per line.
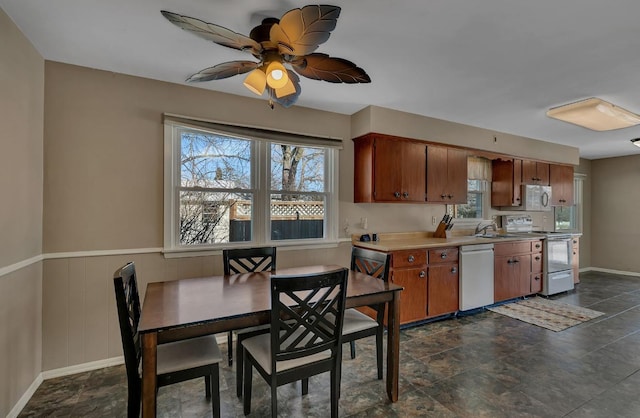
430, 279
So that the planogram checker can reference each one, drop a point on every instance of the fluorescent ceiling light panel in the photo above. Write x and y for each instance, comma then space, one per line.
595, 114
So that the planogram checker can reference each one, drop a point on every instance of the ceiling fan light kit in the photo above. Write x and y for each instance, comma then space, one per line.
256, 81
595, 114
289, 41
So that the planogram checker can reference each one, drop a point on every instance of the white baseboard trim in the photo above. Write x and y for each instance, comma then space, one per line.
24, 399
84, 367
624, 273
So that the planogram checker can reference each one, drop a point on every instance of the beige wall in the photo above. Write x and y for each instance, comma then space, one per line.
615, 222
21, 116
587, 203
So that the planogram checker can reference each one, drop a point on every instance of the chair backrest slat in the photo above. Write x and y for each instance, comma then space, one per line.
373, 263
248, 260
307, 314
128, 305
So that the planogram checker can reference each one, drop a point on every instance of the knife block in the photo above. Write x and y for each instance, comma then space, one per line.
441, 231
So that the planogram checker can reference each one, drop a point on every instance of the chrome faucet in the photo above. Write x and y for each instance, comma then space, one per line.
483, 229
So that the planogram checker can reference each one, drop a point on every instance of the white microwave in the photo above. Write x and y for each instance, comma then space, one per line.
535, 198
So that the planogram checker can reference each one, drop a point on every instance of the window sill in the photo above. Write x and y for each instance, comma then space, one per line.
282, 246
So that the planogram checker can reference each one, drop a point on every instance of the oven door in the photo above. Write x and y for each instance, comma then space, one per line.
558, 254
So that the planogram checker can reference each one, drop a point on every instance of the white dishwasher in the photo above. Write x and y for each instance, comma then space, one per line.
476, 276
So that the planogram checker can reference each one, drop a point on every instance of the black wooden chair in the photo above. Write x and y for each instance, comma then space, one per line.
246, 260
357, 325
305, 339
177, 361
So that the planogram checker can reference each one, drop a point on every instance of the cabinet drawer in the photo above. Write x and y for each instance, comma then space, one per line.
536, 246
536, 263
443, 255
408, 258
510, 248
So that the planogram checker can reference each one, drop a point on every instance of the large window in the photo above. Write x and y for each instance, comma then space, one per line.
223, 189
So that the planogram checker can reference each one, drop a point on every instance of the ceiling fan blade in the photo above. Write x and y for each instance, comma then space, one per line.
224, 70
334, 70
289, 100
301, 31
211, 32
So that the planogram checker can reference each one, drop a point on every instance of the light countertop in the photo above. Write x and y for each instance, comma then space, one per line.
415, 240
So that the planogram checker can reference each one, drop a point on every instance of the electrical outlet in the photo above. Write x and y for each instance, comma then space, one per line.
433, 220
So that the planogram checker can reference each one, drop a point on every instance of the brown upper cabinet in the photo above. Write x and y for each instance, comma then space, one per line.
446, 175
389, 169
535, 172
561, 180
506, 181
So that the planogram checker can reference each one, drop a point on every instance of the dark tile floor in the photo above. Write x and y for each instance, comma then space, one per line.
484, 365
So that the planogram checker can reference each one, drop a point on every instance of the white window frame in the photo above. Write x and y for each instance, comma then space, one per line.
261, 179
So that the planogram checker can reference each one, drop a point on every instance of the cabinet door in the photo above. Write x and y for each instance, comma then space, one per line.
512, 276
437, 173
414, 297
413, 172
534, 172
506, 182
456, 175
561, 180
443, 289
504, 286
575, 260
387, 168
542, 172
517, 182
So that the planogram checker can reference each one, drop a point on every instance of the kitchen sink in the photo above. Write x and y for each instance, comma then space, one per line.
493, 236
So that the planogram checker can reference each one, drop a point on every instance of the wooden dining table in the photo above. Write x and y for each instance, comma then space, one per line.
187, 308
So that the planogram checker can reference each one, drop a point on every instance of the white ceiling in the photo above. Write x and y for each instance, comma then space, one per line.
495, 64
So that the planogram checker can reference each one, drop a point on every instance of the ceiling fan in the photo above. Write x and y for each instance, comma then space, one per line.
290, 40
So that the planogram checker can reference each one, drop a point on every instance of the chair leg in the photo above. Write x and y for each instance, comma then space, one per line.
274, 400
248, 368
305, 386
230, 347
207, 386
239, 366
335, 392
379, 337
215, 391
133, 400
353, 349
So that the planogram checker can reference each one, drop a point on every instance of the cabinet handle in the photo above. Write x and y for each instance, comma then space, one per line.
411, 259
454, 270
509, 261
538, 258
537, 245
514, 261
422, 274
405, 195
536, 278
575, 241
396, 194
443, 196
450, 196
574, 253
443, 255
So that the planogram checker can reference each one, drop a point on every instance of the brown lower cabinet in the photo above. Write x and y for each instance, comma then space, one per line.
517, 269
430, 280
